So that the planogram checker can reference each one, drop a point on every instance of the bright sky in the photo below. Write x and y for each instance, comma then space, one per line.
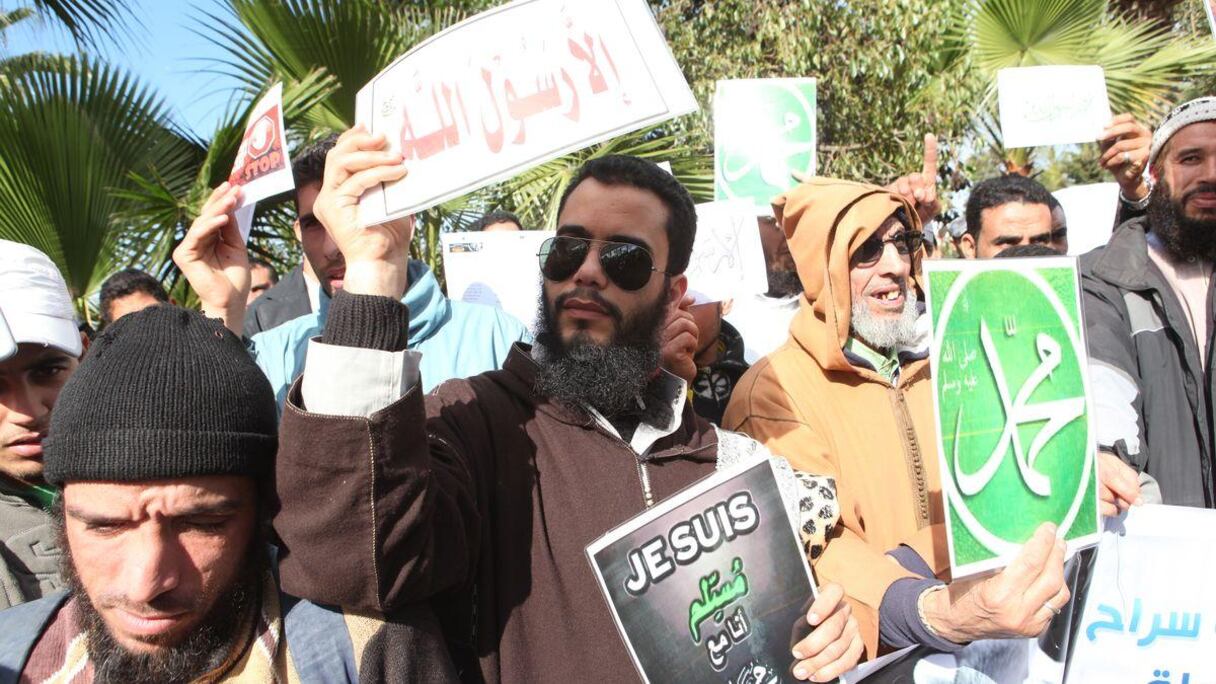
168, 55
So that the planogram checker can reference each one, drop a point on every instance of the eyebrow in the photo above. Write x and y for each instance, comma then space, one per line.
222, 507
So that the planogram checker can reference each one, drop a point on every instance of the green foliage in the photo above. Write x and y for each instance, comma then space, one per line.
71, 132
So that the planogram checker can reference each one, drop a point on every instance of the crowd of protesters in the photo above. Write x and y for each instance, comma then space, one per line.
342, 475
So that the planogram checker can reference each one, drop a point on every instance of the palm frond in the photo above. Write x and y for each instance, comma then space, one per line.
90, 21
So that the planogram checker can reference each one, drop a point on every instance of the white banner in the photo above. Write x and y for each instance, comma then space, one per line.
262, 166
514, 87
498, 268
727, 257
1150, 613
1052, 105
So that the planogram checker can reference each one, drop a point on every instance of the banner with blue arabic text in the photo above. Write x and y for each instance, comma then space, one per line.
1150, 613
710, 585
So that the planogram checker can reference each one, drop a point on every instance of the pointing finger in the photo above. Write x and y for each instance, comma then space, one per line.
929, 170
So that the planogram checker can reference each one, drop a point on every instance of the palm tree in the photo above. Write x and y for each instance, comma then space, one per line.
72, 131
1146, 64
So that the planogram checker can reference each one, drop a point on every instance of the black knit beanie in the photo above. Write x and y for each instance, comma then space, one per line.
163, 393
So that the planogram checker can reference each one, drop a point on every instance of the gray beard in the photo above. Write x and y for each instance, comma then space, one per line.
883, 333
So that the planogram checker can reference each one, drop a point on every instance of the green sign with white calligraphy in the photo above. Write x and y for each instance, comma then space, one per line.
764, 131
1014, 428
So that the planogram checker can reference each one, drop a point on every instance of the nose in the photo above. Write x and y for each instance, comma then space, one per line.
331, 248
893, 263
590, 273
152, 564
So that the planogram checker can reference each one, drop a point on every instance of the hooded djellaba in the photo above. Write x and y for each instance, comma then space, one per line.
829, 410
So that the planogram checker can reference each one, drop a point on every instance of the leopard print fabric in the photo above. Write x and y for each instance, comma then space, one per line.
809, 499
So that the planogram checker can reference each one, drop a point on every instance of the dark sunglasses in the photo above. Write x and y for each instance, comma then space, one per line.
906, 242
626, 264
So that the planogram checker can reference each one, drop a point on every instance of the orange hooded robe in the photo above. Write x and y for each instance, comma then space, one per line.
807, 403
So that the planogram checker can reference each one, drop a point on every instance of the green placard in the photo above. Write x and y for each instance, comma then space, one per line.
1011, 390
764, 130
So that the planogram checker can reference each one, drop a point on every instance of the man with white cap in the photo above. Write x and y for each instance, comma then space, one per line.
1149, 319
40, 347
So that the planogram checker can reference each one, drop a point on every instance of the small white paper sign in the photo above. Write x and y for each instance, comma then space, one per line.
514, 87
262, 166
499, 268
1052, 105
727, 257
1090, 213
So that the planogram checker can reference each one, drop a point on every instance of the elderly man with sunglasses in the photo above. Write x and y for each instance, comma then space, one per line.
849, 396
481, 496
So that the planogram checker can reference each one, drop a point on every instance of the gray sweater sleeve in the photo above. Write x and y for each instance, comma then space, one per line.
899, 623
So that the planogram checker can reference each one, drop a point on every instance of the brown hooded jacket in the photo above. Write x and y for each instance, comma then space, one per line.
807, 402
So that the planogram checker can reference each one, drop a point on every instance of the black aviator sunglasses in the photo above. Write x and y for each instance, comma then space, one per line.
626, 264
906, 242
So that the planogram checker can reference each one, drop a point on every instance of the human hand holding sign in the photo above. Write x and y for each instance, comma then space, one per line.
679, 344
1118, 484
1125, 146
834, 645
1018, 601
920, 189
376, 256
214, 260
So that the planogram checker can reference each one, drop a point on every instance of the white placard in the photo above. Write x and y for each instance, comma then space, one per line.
514, 87
1052, 105
262, 166
1210, 6
1150, 613
499, 268
1090, 213
727, 258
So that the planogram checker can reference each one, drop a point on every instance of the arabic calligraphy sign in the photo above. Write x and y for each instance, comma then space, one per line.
1011, 391
1150, 612
262, 166
764, 130
1052, 105
709, 584
514, 87
727, 257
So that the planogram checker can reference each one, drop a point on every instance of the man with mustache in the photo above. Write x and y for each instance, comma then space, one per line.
40, 348
486, 492
1148, 316
850, 396
163, 443
460, 338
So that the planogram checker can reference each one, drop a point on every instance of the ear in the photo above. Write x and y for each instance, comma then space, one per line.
676, 291
295, 228
84, 345
966, 245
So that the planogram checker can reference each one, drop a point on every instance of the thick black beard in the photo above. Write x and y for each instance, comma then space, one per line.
1183, 237
202, 651
610, 378
783, 284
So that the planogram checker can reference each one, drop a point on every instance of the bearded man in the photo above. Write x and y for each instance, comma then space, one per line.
1148, 315
163, 443
482, 495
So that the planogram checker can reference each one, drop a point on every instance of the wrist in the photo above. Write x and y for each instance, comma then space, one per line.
233, 315
380, 278
1133, 192
938, 613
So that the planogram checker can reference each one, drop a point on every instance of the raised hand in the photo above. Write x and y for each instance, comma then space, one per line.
1118, 484
679, 344
1125, 145
376, 256
214, 260
920, 189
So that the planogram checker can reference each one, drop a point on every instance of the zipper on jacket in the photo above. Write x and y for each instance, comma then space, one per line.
915, 459
644, 476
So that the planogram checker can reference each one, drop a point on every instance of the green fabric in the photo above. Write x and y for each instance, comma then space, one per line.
887, 365
40, 495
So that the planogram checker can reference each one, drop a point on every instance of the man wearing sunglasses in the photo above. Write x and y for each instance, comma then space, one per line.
482, 496
850, 396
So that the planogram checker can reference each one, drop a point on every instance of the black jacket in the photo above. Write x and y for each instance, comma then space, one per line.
287, 300
1152, 394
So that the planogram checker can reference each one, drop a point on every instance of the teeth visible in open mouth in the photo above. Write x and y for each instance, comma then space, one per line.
889, 296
